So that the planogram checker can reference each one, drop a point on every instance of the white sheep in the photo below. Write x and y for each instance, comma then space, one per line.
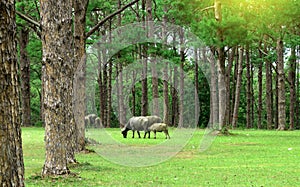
159, 127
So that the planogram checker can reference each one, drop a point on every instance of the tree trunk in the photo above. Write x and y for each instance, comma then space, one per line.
122, 111
80, 8
292, 80
174, 88
297, 111
11, 157
144, 61
228, 78
166, 77
166, 95
281, 86
276, 99
214, 107
196, 79
221, 86
234, 81
238, 88
248, 90
181, 80
56, 26
25, 77
260, 88
269, 103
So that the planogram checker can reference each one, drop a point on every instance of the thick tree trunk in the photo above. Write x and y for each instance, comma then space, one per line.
221, 86
292, 80
238, 88
214, 106
25, 78
58, 60
80, 8
281, 86
11, 157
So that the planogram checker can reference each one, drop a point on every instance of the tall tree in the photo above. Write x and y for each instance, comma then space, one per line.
260, 88
57, 40
281, 86
80, 8
248, 88
144, 58
25, 77
11, 157
238, 88
181, 80
269, 91
292, 81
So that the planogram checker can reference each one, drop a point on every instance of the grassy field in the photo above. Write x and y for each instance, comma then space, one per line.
247, 158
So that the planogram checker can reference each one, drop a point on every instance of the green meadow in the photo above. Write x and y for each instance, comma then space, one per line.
245, 158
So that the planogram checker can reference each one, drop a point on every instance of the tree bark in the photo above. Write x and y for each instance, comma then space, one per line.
214, 107
25, 77
181, 80
196, 79
228, 78
174, 88
269, 103
80, 8
260, 89
221, 86
248, 90
292, 80
238, 88
11, 157
281, 86
58, 54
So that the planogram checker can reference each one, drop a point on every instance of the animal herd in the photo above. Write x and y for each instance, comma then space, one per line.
136, 123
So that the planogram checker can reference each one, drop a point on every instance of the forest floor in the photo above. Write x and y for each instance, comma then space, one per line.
246, 158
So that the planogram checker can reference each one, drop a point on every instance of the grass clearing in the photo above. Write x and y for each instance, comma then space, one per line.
247, 158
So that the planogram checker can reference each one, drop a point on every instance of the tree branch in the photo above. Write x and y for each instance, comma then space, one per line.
101, 22
28, 19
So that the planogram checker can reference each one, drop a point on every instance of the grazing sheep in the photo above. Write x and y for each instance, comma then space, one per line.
159, 127
140, 123
135, 124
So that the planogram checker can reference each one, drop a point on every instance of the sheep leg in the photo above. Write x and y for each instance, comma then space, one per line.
139, 134
149, 134
167, 134
154, 134
132, 133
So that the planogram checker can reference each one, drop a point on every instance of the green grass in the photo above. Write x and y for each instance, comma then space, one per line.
247, 158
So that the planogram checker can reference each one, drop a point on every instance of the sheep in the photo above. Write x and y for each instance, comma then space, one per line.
98, 122
90, 120
135, 124
140, 123
159, 127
